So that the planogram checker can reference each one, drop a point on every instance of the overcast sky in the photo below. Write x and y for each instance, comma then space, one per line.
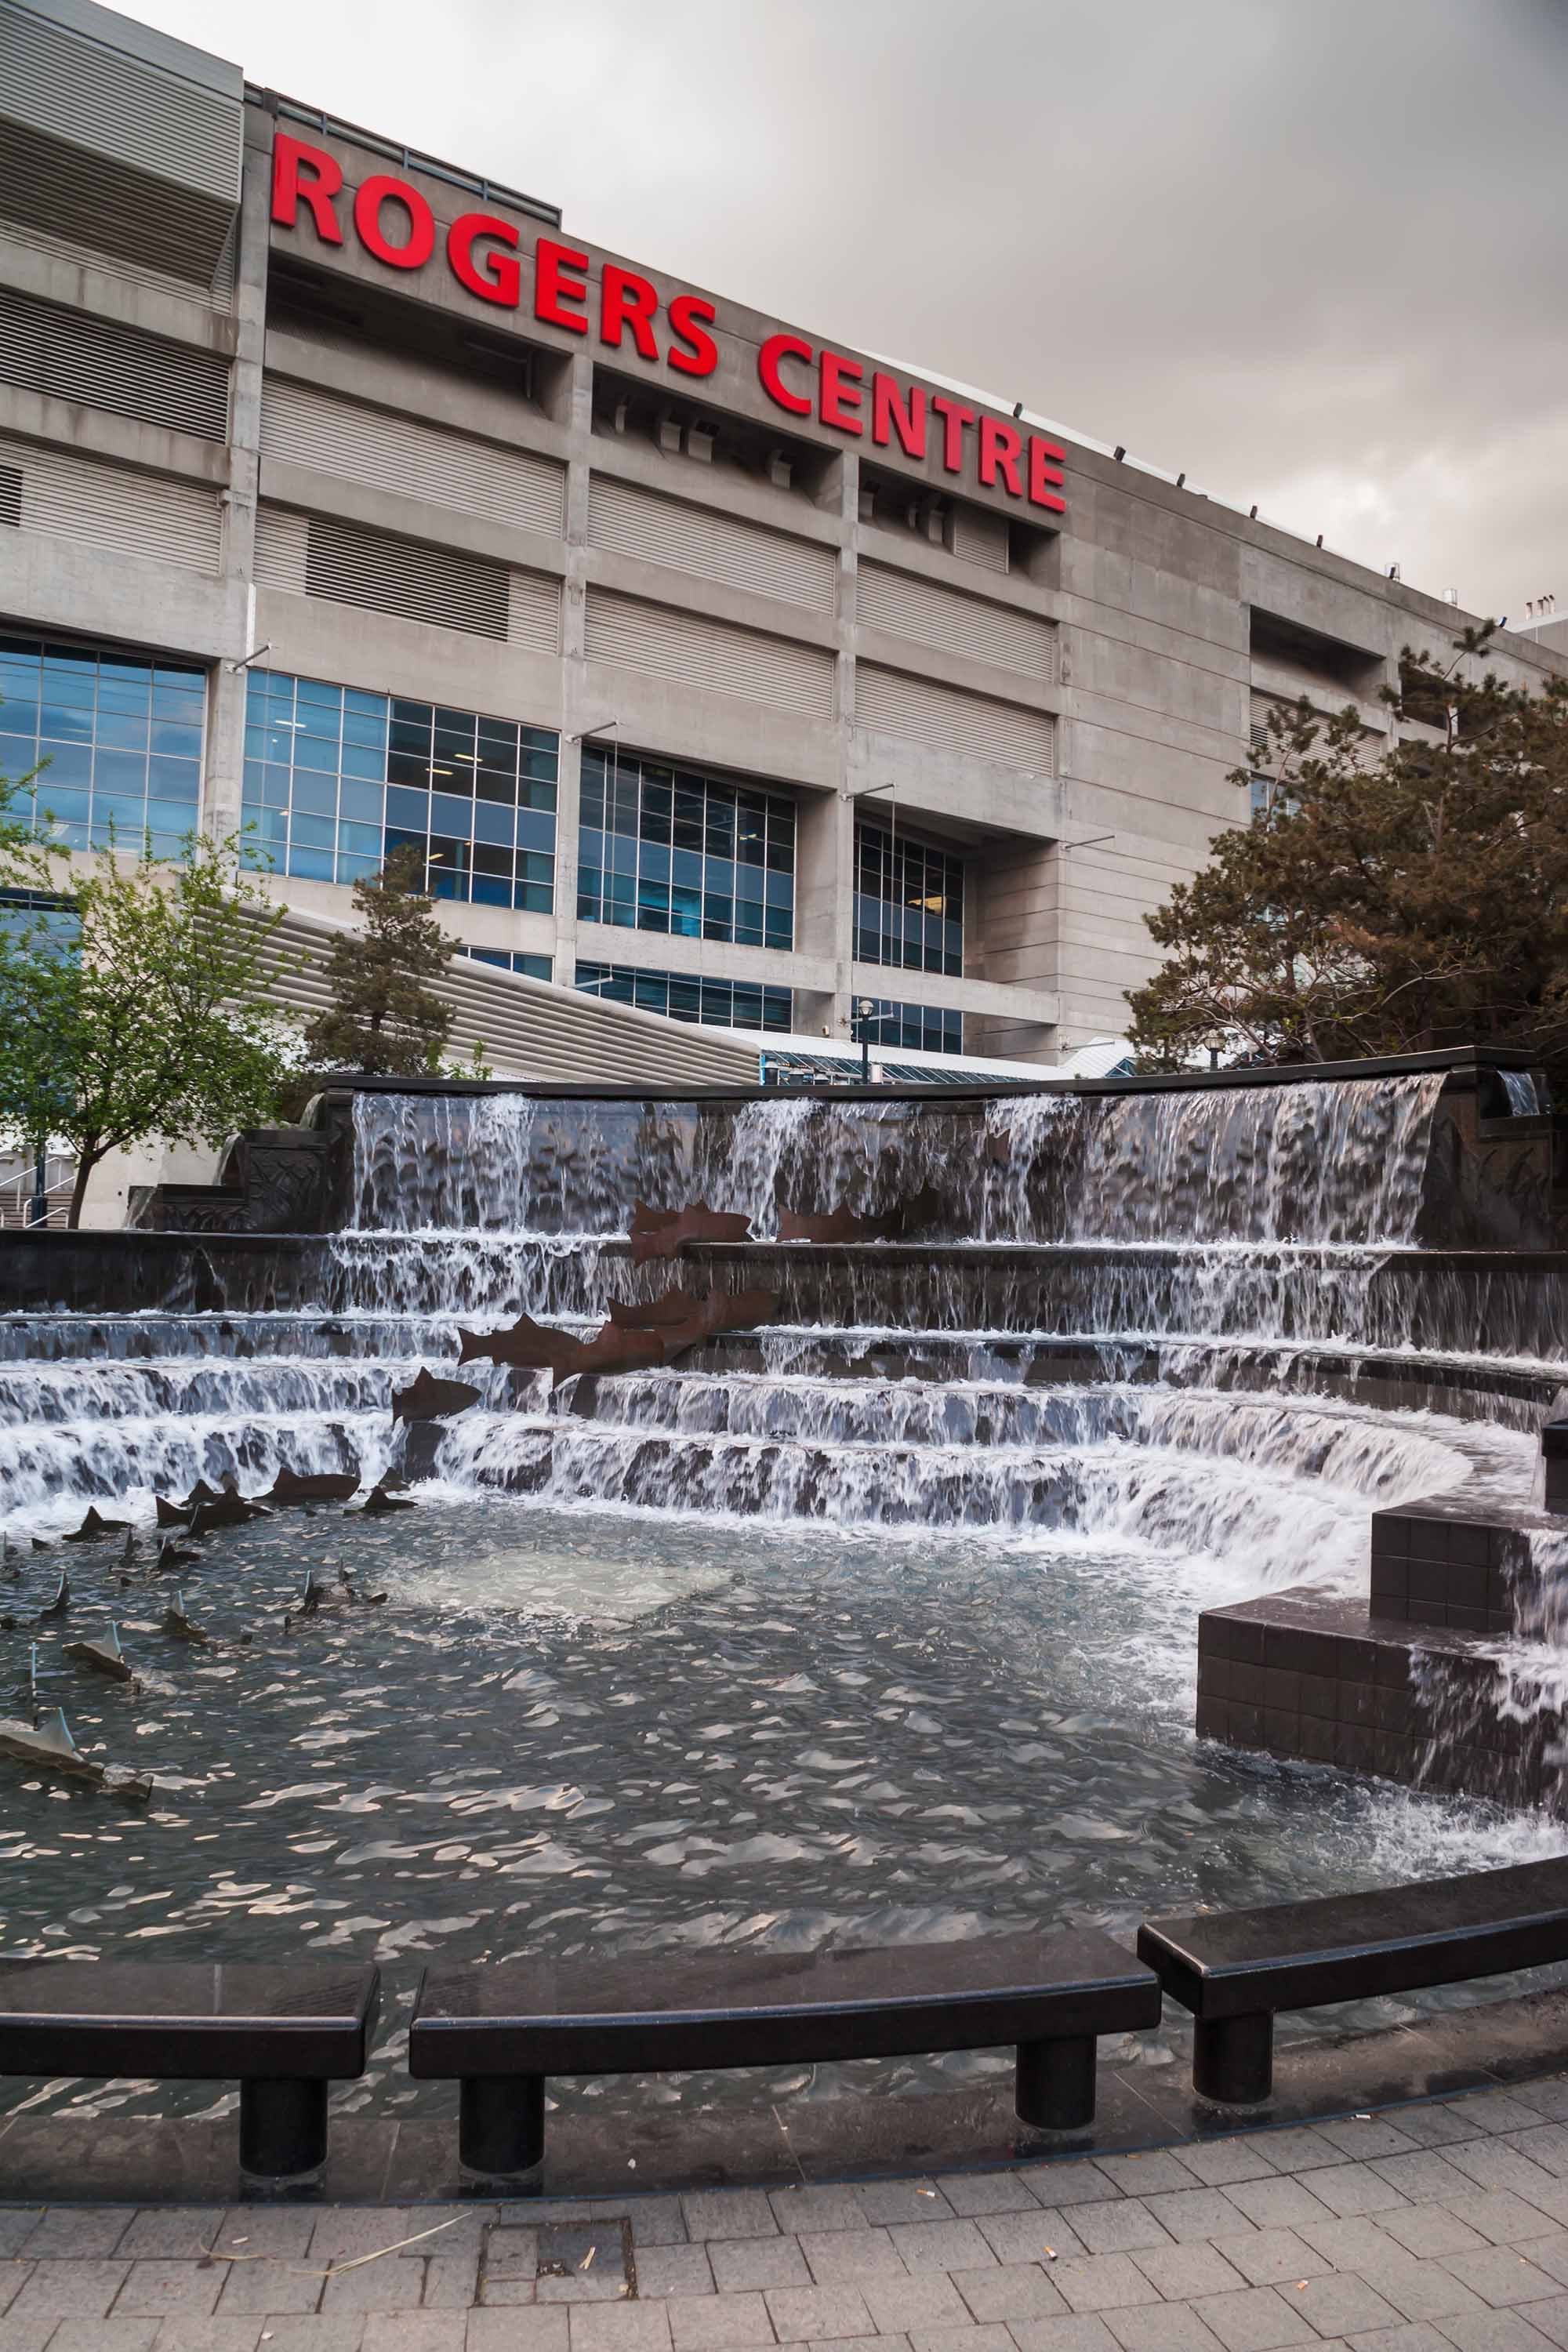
1312, 251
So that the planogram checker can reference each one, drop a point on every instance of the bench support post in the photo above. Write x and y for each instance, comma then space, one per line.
1233, 2059
501, 2124
282, 2128
1056, 2083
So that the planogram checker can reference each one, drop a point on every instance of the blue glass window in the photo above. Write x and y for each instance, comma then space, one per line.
673, 849
533, 967
336, 777
928, 1027
909, 904
122, 737
684, 996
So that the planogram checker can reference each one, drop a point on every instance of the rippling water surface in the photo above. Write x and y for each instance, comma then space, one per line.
574, 1729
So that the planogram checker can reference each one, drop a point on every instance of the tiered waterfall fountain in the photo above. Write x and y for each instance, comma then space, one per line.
880, 1619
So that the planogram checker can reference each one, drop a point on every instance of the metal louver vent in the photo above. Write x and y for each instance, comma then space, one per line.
1262, 704
970, 725
534, 614
405, 576
279, 559
907, 604
11, 496
156, 516
689, 538
67, 355
713, 654
980, 538
391, 452
135, 145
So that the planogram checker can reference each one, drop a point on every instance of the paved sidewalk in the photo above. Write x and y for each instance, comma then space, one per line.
1432, 2229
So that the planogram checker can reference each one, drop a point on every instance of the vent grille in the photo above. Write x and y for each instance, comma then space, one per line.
907, 605
91, 96
315, 555
1262, 704
973, 726
404, 577
127, 157
980, 538
114, 507
535, 612
389, 452
713, 654
67, 355
11, 496
280, 540
743, 554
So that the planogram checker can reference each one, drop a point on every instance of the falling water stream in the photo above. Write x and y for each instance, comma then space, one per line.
879, 1625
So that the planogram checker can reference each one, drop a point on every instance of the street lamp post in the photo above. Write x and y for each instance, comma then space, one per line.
865, 1005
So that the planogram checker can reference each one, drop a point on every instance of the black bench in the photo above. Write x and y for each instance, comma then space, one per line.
1235, 1968
283, 2032
500, 2031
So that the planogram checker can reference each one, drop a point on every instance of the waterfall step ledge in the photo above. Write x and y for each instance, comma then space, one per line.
1316, 1678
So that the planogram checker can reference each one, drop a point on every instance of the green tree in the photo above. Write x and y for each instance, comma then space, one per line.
384, 1018
130, 999
1412, 900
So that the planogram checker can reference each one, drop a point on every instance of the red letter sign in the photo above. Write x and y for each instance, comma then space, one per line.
420, 244
889, 414
1001, 447
841, 393
1042, 472
954, 419
551, 289
777, 348
493, 277
300, 171
627, 301
701, 355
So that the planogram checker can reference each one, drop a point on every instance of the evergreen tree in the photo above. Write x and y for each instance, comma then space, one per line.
1383, 905
384, 1018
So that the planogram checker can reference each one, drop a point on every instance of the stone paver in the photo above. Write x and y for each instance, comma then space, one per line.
1434, 2229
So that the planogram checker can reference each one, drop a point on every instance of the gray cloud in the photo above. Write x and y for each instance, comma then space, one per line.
1314, 254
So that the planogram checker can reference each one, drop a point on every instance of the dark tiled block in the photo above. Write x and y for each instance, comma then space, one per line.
1281, 1730
1428, 1581
1246, 1727
1247, 1684
1359, 1705
1356, 1748
1281, 1689
1390, 1535
1317, 1735
1320, 1696
1395, 1759
1470, 1543
1213, 1718
1394, 1709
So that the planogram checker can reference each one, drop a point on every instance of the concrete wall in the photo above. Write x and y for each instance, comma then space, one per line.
1117, 658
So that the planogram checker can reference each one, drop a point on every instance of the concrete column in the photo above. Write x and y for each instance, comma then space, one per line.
223, 782
577, 399
841, 1017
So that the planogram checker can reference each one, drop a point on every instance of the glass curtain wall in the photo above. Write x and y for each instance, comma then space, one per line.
336, 779
119, 735
671, 849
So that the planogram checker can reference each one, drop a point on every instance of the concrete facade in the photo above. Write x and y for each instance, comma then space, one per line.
689, 575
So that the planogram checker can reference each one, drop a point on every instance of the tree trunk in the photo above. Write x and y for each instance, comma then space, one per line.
85, 1162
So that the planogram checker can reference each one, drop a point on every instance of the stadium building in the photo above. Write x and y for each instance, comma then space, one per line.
709, 666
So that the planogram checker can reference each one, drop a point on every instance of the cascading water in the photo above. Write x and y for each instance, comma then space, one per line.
801, 1637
